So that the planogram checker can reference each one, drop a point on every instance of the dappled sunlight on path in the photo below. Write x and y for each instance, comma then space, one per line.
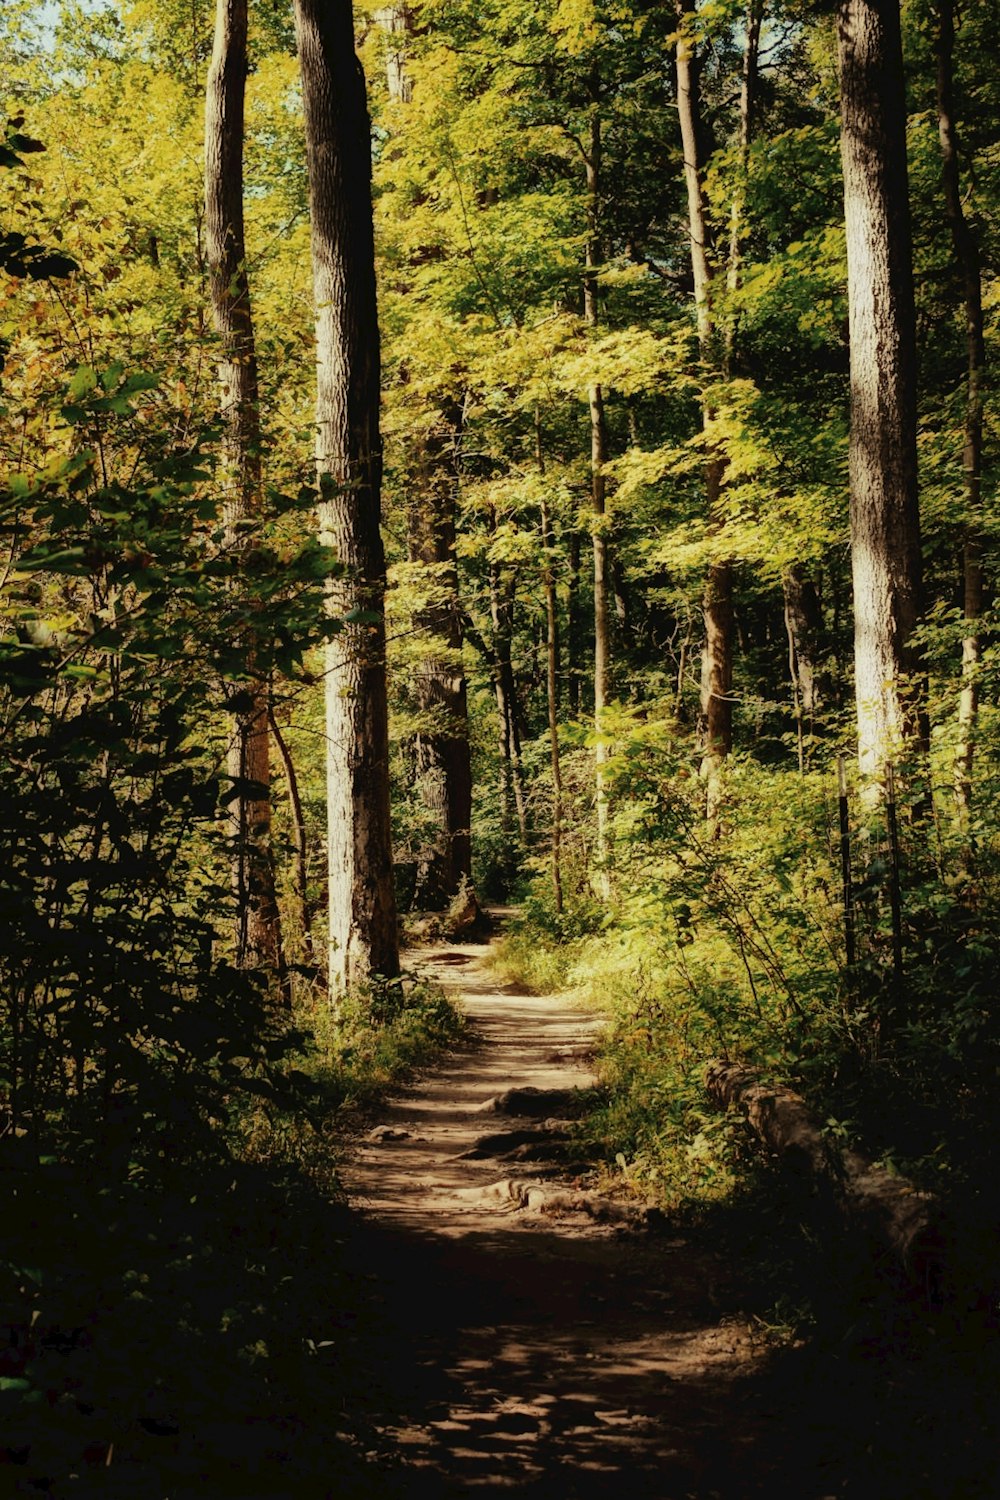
415, 1167
507, 1324
516, 1327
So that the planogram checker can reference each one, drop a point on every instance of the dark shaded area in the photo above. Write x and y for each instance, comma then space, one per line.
551, 1365
240, 1335
170, 1343
533, 1103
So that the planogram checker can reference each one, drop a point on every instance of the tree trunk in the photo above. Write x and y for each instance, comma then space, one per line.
907, 1224
443, 763
441, 748
748, 101
363, 935
299, 834
573, 630
885, 522
551, 677
598, 496
716, 666
803, 618
502, 619
717, 600
397, 22
967, 256
258, 920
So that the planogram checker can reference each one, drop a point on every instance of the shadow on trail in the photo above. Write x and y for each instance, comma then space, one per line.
567, 1358
238, 1339
604, 1367
238, 1334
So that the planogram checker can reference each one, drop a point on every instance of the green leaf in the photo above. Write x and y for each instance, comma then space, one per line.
83, 382
139, 382
63, 560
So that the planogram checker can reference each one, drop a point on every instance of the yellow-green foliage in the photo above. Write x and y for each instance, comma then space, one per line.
714, 947
350, 1055
372, 1038
524, 957
655, 1123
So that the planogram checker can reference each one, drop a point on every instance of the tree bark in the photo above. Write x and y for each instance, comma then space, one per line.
897, 1219
258, 919
502, 620
885, 521
363, 932
397, 23
717, 599
598, 495
551, 676
573, 626
967, 256
300, 836
441, 748
803, 618
748, 102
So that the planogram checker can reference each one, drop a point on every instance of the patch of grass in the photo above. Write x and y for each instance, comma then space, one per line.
652, 1126
376, 1035
354, 1052
655, 1129
538, 962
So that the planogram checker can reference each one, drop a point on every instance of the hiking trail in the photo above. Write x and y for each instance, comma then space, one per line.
519, 1328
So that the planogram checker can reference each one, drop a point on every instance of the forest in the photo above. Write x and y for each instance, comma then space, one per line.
460, 458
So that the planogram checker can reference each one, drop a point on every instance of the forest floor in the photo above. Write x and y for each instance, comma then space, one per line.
517, 1326
483, 1311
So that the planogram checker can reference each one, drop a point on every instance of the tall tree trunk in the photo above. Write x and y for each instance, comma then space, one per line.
441, 748
502, 619
803, 618
717, 600
748, 102
300, 836
598, 494
363, 934
573, 629
441, 745
551, 675
258, 920
397, 22
967, 256
885, 522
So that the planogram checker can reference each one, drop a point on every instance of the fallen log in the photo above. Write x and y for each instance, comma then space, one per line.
904, 1225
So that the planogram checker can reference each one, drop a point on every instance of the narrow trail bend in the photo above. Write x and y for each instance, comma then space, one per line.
516, 1331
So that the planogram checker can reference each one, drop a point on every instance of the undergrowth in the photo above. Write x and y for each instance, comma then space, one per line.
735, 947
178, 1327
374, 1036
349, 1056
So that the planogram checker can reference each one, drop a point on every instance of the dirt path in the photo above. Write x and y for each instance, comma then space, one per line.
514, 1330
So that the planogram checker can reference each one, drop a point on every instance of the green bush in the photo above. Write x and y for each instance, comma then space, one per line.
125, 1029
734, 946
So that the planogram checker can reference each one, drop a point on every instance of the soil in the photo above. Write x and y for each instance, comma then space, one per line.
518, 1327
